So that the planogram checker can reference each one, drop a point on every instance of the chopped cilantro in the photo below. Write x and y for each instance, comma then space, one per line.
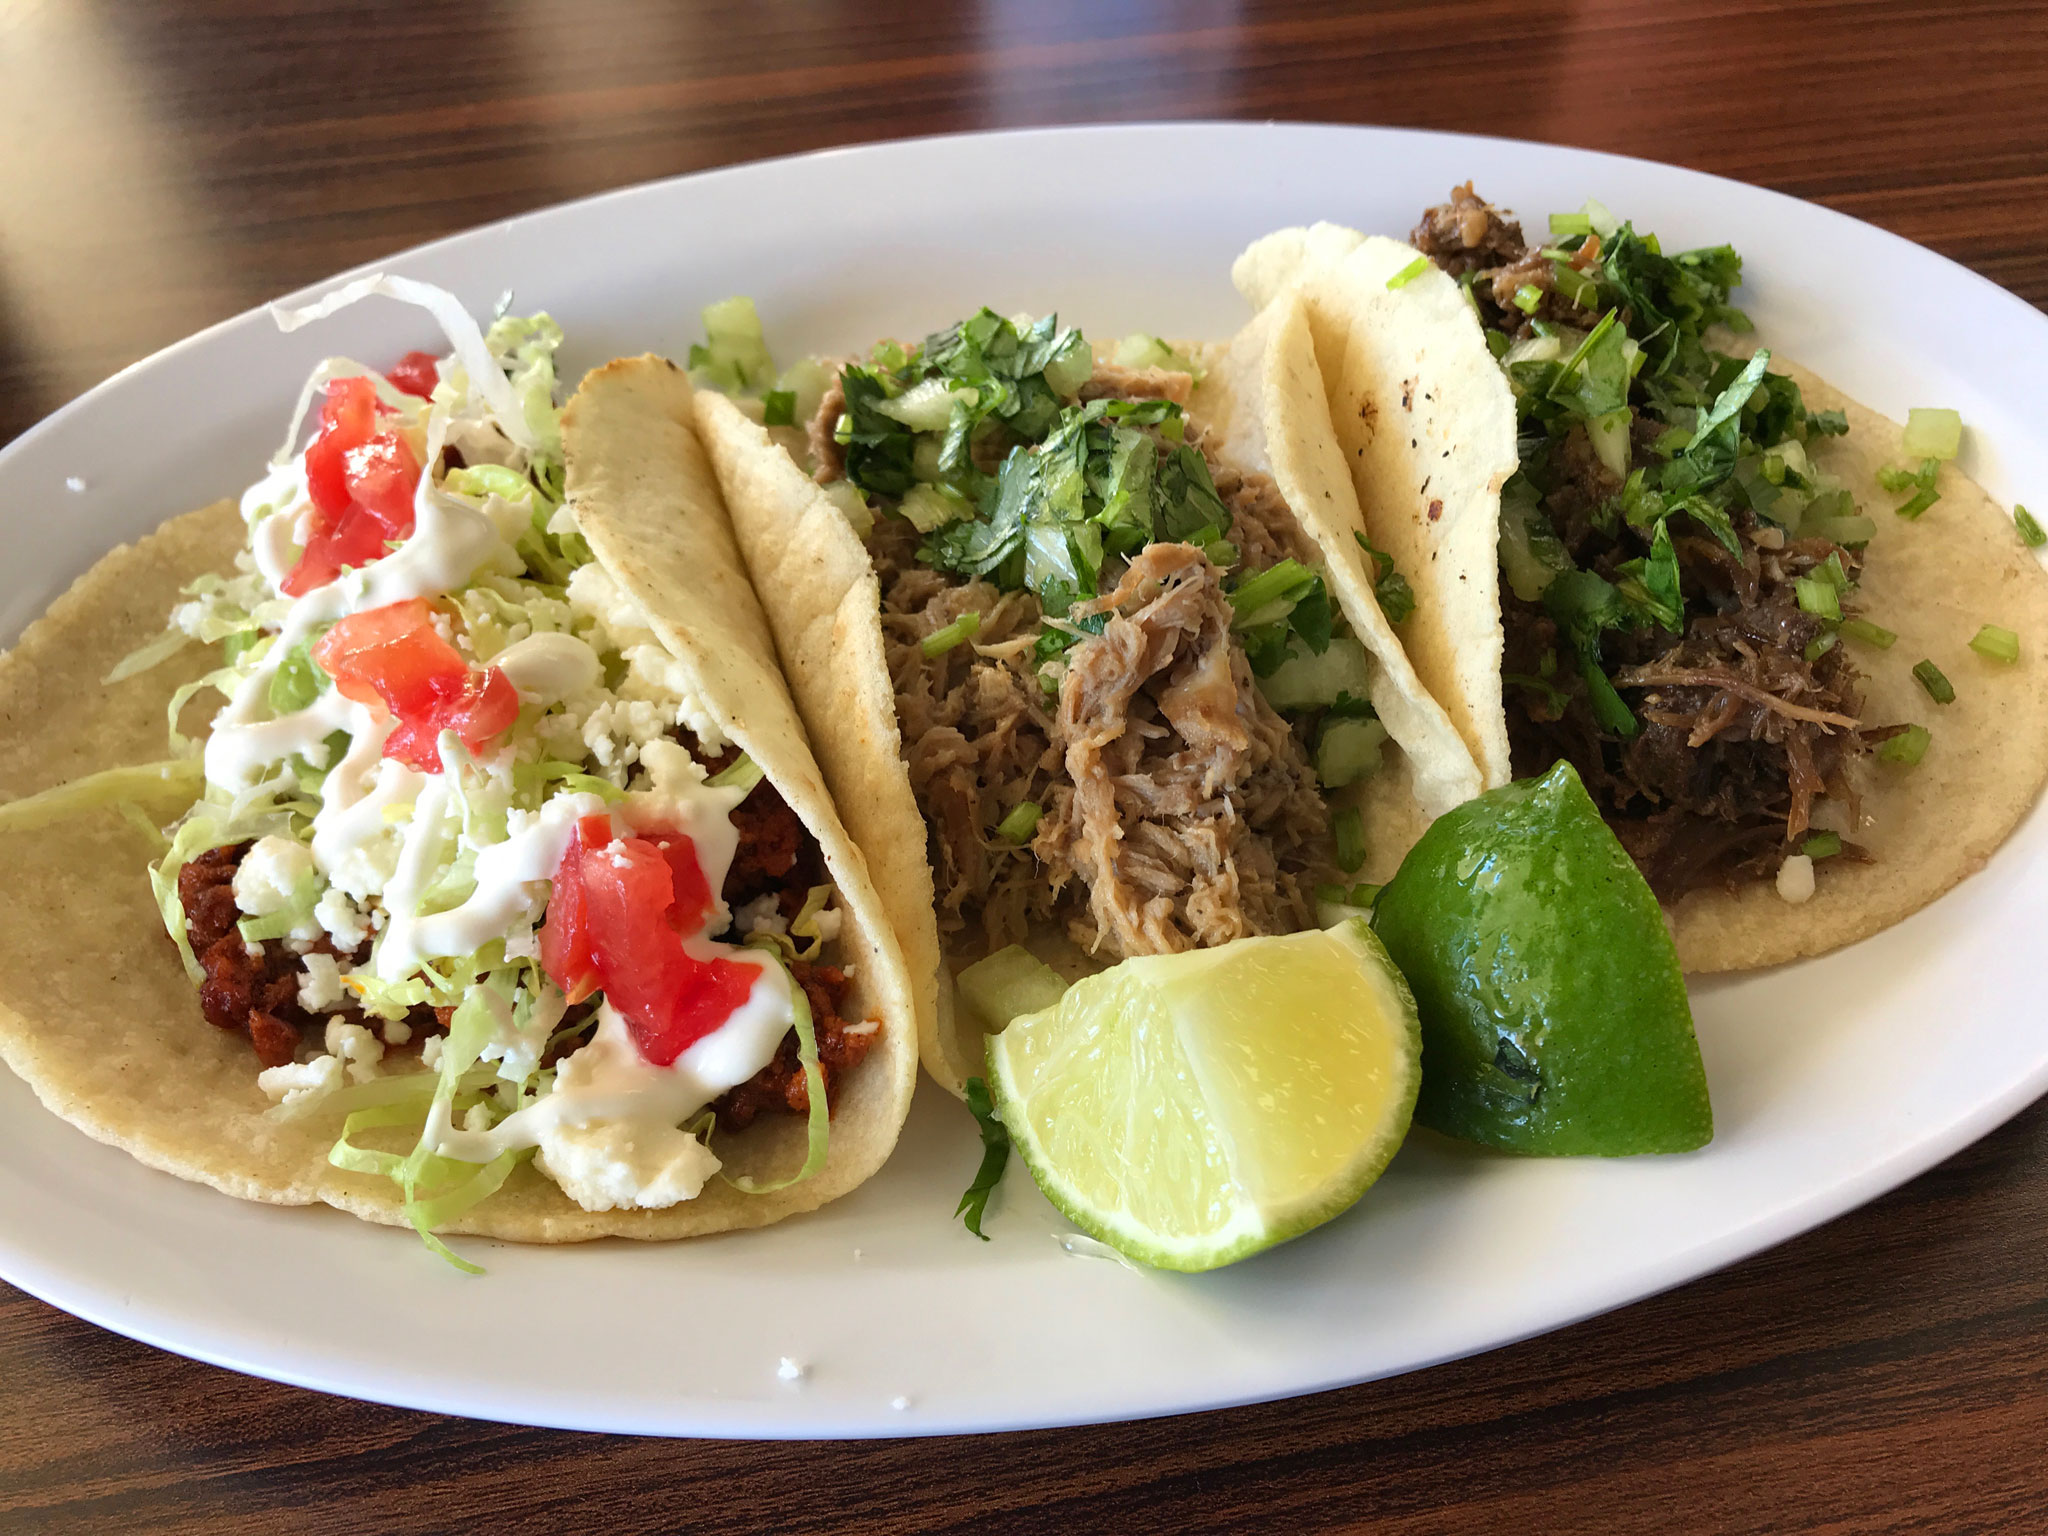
2030, 531
1396, 598
995, 1156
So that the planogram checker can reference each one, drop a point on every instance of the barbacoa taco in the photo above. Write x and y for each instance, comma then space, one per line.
1084, 666
503, 895
1779, 636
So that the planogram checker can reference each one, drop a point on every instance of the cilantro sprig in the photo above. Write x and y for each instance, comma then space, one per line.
995, 1157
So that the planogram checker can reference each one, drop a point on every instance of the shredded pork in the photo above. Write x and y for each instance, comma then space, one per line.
1179, 810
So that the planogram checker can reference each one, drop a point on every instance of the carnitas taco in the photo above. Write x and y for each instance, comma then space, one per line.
1783, 640
503, 895
1083, 666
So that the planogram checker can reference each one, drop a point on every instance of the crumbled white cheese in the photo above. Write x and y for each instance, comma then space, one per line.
761, 915
396, 1032
625, 1165
828, 920
430, 1052
476, 1118
271, 874
301, 1082
1795, 879
342, 919
653, 673
320, 987
355, 1045
615, 732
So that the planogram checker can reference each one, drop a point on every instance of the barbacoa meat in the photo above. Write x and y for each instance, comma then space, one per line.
1741, 733
1468, 234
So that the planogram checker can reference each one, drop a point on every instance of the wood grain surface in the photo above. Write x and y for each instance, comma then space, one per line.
163, 167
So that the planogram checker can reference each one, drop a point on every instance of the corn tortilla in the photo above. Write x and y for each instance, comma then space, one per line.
1262, 399
96, 1013
1934, 582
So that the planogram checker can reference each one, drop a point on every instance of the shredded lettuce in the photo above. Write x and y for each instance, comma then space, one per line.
200, 833
144, 657
181, 777
222, 681
480, 364
819, 1125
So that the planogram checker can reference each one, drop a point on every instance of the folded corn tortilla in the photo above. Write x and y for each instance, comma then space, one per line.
96, 1014
1413, 355
1262, 402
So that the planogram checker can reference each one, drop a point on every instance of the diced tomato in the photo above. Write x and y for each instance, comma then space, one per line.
618, 914
361, 482
394, 655
565, 937
482, 710
691, 902
382, 475
416, 373
357, 539
348, 419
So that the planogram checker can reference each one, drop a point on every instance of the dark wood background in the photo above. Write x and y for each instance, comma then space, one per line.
162, 167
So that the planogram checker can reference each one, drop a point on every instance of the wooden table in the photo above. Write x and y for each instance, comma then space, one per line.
162, 167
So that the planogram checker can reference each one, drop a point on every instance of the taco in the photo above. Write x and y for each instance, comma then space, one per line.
1804, 716
503, 895
1083, 665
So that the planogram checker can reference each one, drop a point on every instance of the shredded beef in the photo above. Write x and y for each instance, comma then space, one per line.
1741, 734
978, 734
1262, 525
1470, 235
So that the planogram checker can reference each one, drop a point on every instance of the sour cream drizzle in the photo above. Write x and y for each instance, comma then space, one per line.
365, 794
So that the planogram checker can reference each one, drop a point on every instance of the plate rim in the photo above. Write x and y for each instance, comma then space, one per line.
1765, 1230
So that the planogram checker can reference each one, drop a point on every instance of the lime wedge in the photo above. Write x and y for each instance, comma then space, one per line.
1192, 1109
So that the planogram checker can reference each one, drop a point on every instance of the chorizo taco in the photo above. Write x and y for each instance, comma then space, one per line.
502, 895
1082, 667
1784, 641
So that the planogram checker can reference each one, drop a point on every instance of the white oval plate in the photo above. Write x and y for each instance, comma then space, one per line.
1832, 1081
